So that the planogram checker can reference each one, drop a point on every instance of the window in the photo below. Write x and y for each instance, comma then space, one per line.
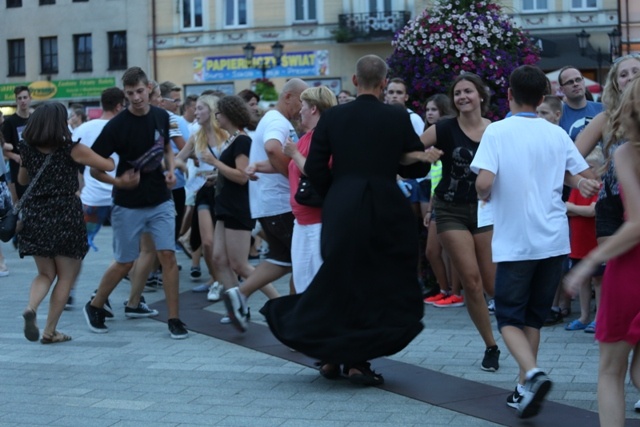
583, 4
117, 50
16, 57
45, 2
49, 55
235, 13
533, 5
191, 14
305, 10
82, 52
14, 3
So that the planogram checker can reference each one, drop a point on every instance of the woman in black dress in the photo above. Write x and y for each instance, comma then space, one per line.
53, 230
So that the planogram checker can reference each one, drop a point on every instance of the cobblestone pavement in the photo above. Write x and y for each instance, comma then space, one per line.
136, 375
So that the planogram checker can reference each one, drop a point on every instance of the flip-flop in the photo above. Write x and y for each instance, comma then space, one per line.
575, 325
591, 328
56, 338
31, 331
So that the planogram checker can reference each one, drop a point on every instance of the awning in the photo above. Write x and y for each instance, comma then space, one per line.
556, 51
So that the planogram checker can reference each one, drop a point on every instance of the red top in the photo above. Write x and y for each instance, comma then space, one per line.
305, 215
582, 228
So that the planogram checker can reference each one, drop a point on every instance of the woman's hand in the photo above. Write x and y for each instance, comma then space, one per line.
290, 148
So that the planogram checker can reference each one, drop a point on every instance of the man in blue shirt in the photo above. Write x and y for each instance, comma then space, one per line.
576, 111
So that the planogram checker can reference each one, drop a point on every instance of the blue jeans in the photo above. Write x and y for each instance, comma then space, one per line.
525, 290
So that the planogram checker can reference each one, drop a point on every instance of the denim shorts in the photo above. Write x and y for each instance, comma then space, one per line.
128, 224
525, 290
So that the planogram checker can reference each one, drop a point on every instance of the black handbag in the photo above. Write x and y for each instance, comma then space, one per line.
8, 224
306, 194
9, 217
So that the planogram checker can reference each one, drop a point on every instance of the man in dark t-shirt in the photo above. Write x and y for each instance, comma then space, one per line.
141, 196
12, 131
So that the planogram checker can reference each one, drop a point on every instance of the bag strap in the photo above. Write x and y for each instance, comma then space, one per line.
25, 195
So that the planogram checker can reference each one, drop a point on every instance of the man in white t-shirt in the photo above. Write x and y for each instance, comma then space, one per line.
96, 196
269, 198
522, 163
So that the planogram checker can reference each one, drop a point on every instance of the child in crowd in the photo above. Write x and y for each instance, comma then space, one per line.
582, 228
531, 237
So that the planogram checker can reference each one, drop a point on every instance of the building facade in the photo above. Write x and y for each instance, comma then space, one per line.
200, 43
70, 50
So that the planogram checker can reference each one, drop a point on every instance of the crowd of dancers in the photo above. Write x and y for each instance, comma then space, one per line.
336, 186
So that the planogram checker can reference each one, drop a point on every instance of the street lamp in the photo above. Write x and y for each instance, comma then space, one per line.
276, 50
614, 43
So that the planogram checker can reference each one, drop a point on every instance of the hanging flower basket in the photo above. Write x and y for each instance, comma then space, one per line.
266, 89
457, 36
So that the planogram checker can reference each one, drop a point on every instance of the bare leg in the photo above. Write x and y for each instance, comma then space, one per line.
143, 266
170, 282
67, 270
264, 274
206, 236
42, 282
114, 274
523, 345
462, 249
611, 373
433, 253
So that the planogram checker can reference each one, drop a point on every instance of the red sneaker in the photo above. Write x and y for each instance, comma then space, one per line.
438, 297
450, 301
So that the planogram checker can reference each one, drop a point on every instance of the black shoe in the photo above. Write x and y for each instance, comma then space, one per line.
69, 304
142, 310
491, 360
95, 319
177, 329
367, 376
554, 318
535, 390
514, 399
108, 311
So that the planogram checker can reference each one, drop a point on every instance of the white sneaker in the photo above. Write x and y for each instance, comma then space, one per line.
214, 292
636, 407
238, 313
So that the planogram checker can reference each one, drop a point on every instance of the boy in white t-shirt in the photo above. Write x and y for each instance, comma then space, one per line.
521, 164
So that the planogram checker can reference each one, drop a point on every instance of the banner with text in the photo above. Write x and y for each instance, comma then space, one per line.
59, 89
235, 67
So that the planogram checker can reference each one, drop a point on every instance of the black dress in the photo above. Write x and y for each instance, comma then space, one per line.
365, 301
53, 223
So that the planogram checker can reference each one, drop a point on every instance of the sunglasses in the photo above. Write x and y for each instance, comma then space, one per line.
571, 82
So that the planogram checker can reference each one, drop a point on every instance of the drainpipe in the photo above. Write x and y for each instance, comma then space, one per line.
153, 41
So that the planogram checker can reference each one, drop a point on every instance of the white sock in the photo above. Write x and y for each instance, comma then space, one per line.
520, 388
532, 372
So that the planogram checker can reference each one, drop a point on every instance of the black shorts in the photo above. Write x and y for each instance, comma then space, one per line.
279, 232
609, 215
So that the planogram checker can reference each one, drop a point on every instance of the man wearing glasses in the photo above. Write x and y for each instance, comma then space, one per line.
576, 111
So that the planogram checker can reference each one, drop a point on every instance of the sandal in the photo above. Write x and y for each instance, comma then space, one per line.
31, 331
329, 371
364, 375
575, 325
591, 328
57, 337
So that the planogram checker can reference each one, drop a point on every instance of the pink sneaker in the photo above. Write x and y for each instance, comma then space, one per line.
434, 299
450, 301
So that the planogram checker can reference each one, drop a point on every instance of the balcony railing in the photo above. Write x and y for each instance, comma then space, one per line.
370, 26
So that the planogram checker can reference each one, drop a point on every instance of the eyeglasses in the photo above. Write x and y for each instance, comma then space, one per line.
176, 101
571, 82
